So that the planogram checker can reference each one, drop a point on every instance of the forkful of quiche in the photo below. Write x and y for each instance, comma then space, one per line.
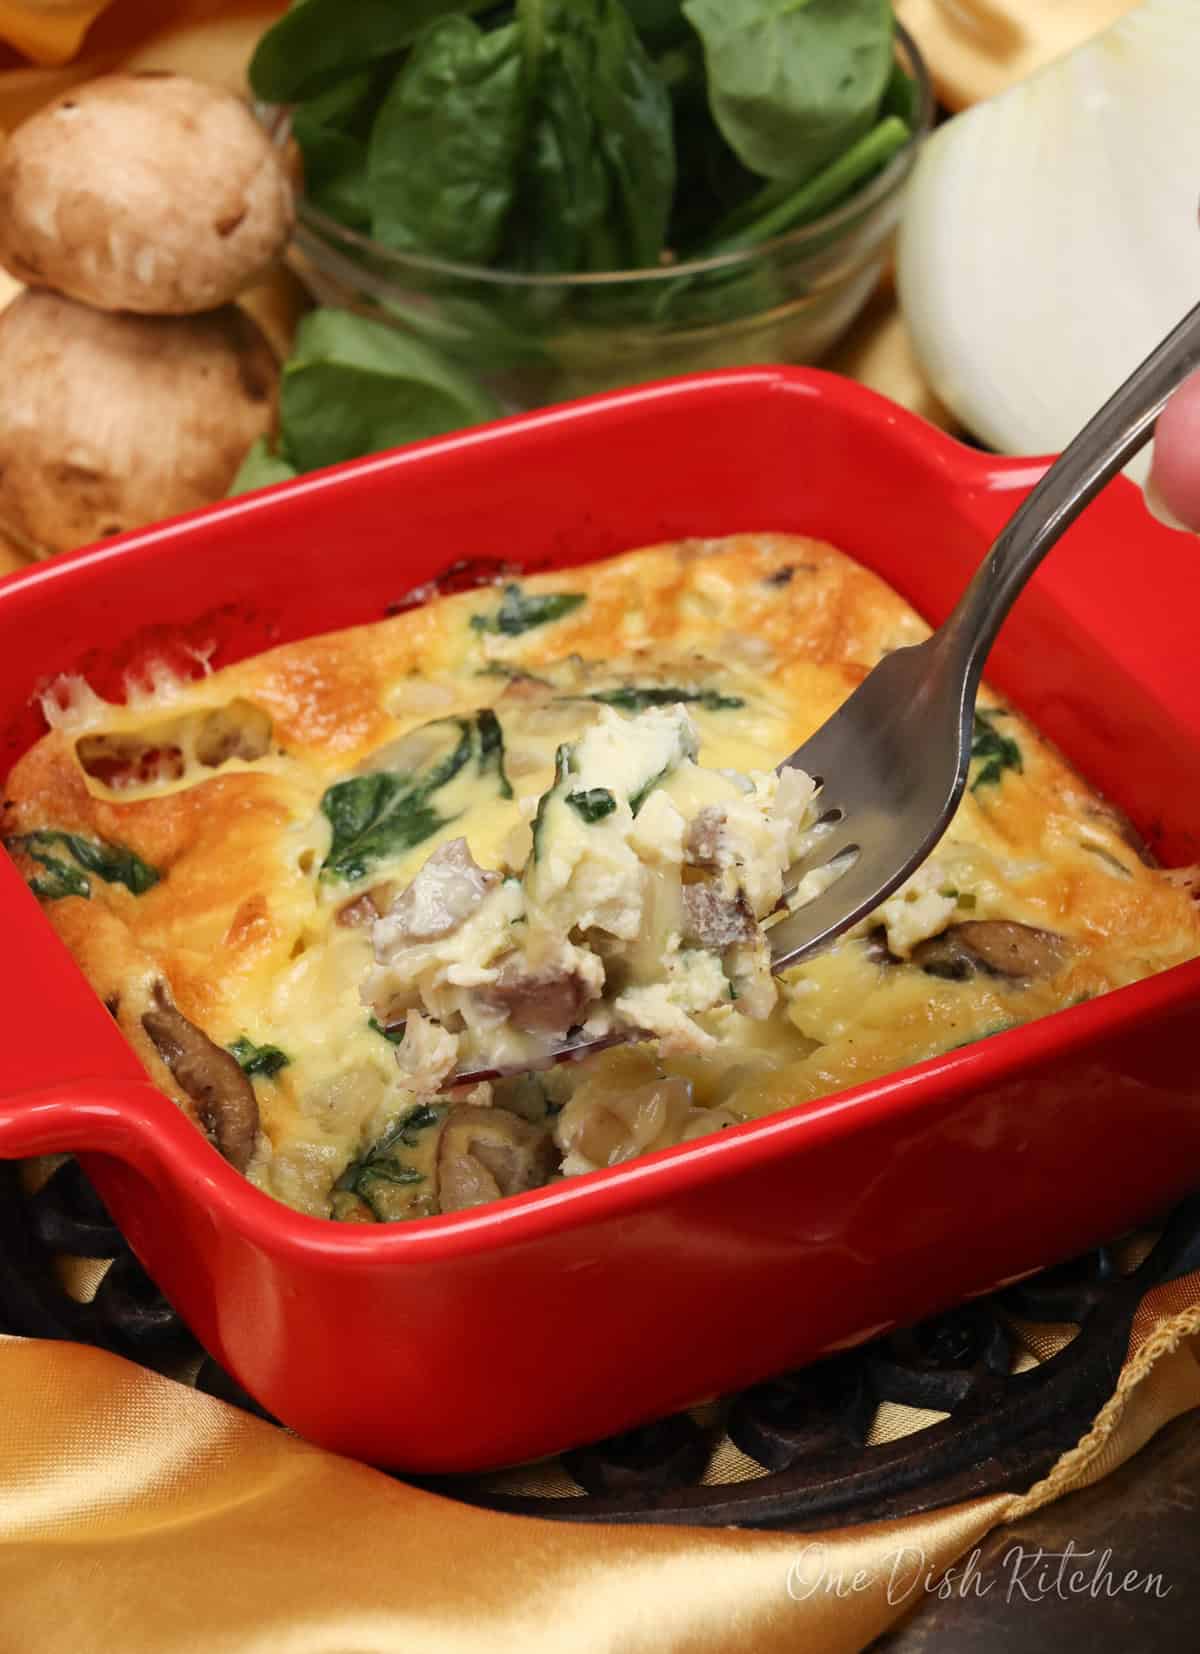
656, 890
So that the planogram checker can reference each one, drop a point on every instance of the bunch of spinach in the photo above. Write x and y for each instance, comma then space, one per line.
567, 136
555, 137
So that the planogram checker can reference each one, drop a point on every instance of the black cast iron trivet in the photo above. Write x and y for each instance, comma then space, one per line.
803, 1437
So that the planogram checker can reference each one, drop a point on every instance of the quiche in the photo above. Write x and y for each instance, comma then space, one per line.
343, 897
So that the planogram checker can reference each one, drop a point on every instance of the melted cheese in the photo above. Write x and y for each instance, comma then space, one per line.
764, 635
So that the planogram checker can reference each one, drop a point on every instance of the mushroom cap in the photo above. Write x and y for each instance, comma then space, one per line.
111, 422
146, 192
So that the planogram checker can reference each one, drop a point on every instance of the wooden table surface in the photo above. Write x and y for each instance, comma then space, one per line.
1147, 1514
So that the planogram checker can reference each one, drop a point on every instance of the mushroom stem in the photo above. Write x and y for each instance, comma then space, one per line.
210, 1076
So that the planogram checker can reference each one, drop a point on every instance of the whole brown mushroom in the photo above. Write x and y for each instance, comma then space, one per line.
111, 422
146, 192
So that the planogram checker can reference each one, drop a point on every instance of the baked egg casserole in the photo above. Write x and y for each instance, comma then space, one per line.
317, 887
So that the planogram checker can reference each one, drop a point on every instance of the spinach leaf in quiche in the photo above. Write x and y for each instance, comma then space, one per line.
394, 1036
562, 768
593, 804
490, 749
630, 698
376, 1175
259, 1059
386, 812
374, 816
996, 752
59, 879
111, 862
521, 611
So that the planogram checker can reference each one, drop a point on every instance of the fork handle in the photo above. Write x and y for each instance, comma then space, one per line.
1108, 441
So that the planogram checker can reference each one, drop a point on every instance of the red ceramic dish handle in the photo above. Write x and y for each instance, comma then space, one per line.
62, 1119
53, 1029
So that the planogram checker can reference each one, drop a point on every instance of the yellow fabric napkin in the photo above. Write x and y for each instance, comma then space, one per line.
137, 1515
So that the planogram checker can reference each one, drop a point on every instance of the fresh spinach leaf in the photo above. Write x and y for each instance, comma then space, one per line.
714, 182
319, 42
630, 698
774, 211
441, 166
793, 83
597, 170
331, 131
521, 611
747, 291
261, 468
353, 386
902, 96
593, 804
384, 812
259, 1059
660, 23
562, 190
632, 113
995, 752
111, 862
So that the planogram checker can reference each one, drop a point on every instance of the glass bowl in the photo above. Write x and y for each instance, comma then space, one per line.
534, 340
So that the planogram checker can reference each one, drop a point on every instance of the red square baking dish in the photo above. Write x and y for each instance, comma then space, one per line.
507, 1332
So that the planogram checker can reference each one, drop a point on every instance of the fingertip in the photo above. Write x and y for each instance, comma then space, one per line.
1173, 491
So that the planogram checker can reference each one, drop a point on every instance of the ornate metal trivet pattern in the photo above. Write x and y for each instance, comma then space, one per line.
803, 1444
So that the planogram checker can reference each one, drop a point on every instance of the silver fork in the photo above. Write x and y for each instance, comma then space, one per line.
892, 762
894, 756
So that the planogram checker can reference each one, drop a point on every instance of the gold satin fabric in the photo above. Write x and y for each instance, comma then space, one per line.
139, 1517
